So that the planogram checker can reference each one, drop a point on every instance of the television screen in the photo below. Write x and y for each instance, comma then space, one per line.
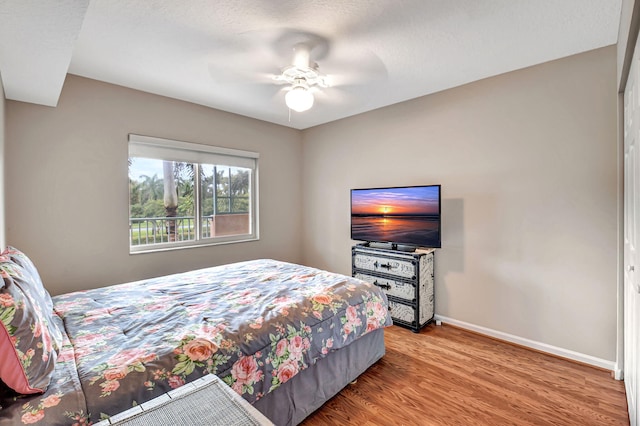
408, 215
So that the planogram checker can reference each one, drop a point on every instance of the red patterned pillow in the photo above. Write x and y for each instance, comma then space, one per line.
28, 338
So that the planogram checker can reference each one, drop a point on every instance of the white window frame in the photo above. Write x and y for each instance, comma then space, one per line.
173, 150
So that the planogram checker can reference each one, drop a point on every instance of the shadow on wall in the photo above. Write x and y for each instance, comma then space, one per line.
450, 258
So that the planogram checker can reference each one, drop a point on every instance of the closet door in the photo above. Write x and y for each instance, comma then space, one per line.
631, 238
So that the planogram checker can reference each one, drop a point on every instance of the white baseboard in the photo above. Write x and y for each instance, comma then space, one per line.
542, 347
618, 373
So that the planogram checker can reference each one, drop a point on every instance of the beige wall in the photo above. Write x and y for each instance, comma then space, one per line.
2, 162
67, 185
528, 167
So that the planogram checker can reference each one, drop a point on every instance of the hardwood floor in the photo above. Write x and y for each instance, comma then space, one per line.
448, 376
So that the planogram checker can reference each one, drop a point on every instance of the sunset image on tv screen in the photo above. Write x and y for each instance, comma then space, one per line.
412, 201
406, 215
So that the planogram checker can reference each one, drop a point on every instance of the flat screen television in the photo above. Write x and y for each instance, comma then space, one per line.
397, 216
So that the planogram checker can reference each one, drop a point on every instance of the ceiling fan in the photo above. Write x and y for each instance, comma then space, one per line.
302, 75
248, 56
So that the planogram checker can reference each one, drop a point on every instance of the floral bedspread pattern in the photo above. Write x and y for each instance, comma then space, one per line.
255, 324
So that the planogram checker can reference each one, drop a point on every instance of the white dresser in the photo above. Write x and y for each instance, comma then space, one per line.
405, 277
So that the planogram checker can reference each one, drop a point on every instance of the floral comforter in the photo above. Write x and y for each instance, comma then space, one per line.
255, 324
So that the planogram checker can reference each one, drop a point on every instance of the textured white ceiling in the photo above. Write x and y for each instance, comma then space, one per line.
36, 43
224, 53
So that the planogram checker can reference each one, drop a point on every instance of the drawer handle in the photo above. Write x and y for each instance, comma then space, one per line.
384, 286
383, 265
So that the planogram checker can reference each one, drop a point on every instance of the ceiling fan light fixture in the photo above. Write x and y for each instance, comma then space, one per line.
299, 98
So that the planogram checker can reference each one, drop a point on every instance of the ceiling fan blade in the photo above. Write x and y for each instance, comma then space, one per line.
332, 96
244, 67
346, 67
288, 42
223, 74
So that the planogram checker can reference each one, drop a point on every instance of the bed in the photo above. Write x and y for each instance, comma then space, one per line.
285, 337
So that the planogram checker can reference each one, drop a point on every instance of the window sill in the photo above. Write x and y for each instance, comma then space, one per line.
186, 245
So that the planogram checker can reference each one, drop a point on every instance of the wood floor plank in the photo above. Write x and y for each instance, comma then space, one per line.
448, 376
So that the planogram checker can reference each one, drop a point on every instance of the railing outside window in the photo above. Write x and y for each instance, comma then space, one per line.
155, 230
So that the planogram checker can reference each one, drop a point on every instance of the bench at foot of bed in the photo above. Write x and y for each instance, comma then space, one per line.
204, 401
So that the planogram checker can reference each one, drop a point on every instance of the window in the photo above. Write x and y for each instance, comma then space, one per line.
184, 194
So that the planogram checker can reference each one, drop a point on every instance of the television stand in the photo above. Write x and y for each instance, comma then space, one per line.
405, 277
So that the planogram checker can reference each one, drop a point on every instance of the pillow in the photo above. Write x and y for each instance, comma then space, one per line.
29, 340
36, 286
21, 259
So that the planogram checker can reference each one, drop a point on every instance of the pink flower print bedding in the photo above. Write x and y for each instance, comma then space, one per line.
254, 324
